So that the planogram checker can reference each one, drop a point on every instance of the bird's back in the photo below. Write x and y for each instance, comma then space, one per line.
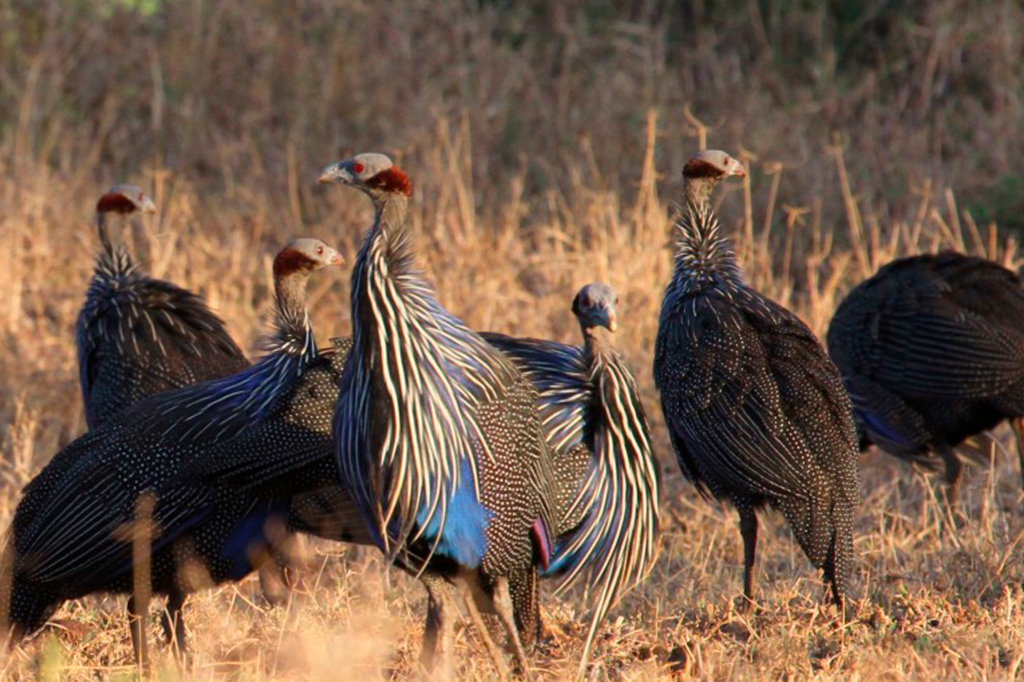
752, 400
71, 527
139, 336
561, 376
932, 347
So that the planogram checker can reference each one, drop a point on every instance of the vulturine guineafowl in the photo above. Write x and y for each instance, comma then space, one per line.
931, 349
605, 465
68, 535
138, 336
437, 433
756, 411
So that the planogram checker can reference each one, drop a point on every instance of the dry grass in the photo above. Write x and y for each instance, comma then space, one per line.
545, 139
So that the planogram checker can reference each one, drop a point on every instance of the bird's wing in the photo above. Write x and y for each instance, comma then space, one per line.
186, 330
729, 405
81, 528
274, 452
930, 340
561, 376
617, 541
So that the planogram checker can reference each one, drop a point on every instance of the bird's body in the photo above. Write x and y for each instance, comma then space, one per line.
756, 412
72, 530
437, 434
604, 466
137, 336
931, 349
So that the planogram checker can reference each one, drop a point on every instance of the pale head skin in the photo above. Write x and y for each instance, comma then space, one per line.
705, 170
594, 306
714, 163
114, 212
125, 200
305, 255
374, 174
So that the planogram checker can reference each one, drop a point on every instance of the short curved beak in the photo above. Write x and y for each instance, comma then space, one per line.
148, 206
613, 325
335, 259
334, 173
740, 171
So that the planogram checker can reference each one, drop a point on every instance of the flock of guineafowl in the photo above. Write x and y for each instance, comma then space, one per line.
481, 463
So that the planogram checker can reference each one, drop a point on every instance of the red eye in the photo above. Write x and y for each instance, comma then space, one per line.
320, 250
357, 168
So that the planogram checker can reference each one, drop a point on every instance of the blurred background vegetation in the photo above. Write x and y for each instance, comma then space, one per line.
213, 88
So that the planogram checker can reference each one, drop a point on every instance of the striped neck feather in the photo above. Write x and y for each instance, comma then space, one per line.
217, 410
704, 259
114, 262
292, 333
425, 373
617, 542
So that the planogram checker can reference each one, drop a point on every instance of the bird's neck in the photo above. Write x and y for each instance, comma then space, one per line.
111, 227
292, 329
697, 191
392, 213
385, 244
597, 343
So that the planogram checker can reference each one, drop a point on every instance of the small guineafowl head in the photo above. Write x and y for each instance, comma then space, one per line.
594, 306
713, 163
125, 200
304, 256
374, 174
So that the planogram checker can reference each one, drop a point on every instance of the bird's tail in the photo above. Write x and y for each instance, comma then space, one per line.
23, 609
823, 528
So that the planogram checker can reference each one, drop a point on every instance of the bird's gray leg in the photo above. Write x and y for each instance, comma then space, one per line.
470, 596
274, 582
137, 627
748, 530
438, 634
502, 598
954, 468
1018, 431
173, 622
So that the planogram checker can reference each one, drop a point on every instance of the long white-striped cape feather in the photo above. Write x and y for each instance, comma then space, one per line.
432, 372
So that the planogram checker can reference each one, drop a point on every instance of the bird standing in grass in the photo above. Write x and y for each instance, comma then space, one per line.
138, 336
605, 465
69, 534
756, 411
437, 433
931, 349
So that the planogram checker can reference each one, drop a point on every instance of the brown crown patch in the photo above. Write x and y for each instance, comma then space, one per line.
289, 261
699, 168
391, 180
115, 202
